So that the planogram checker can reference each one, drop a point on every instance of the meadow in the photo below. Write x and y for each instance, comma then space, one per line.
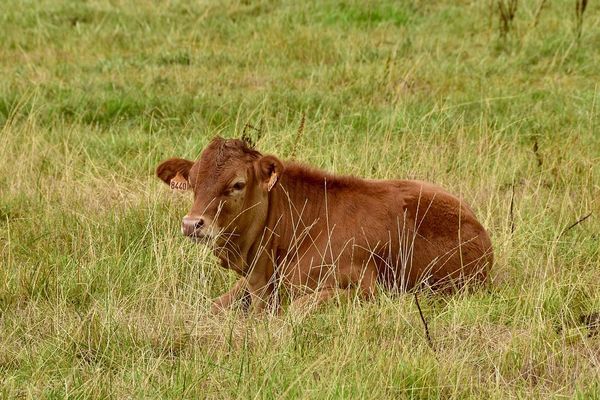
102, 297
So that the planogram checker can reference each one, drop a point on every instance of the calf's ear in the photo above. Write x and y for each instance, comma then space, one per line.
174, 168
269, 171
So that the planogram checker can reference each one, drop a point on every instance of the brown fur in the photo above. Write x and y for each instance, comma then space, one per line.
320, 233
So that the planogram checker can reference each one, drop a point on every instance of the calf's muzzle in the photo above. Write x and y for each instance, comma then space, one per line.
191, 226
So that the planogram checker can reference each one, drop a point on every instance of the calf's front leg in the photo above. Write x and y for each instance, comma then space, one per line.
226, 300
260, 291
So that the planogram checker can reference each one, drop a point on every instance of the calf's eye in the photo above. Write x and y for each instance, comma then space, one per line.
238, 186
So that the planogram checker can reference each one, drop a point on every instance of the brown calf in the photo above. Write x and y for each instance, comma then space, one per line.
318, 234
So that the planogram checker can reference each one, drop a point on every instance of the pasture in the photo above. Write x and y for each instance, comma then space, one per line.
102, 297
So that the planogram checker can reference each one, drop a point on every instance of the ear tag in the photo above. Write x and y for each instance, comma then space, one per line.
272, 181
178, 182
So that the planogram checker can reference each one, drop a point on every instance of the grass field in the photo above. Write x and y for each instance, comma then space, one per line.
101, 296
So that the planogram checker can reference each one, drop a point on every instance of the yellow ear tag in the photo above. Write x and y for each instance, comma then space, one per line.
178, 182
272, 181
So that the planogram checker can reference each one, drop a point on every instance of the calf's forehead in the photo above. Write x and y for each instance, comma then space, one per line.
221, 161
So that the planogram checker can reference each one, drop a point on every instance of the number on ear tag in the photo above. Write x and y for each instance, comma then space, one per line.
178, 182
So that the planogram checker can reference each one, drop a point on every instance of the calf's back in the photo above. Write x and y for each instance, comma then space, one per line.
343, 231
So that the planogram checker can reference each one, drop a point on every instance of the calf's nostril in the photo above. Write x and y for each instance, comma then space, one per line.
189, 225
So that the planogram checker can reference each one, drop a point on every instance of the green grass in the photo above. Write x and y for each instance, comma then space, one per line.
100, 296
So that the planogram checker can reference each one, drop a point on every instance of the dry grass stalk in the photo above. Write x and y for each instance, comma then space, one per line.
507, 10
429, 341
298, 137
538, 12
574, 224
246, 137
580, 6
536, 151
512, 207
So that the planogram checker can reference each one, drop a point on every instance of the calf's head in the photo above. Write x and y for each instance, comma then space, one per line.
230, 182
